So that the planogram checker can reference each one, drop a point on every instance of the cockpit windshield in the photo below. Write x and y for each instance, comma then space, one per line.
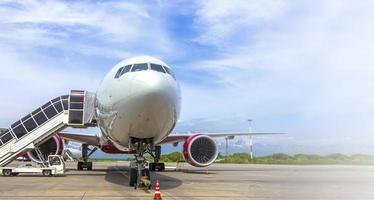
157, 67
139, 67
169, 71
125, 69
143, 67
118, 74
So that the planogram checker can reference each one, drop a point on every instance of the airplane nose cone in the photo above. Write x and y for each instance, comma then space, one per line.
155, 106
149, 82
153, 88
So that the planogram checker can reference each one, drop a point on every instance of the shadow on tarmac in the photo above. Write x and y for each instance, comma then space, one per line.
119, 175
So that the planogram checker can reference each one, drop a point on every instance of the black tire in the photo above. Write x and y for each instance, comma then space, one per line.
158, 167
146, 173
133, 177
152, 167
89, 166
79, 166
161, 166
47, 173
7, 172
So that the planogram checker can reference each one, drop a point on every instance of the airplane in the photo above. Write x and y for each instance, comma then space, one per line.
137, 107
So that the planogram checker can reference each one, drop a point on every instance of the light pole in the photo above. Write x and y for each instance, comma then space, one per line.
227, 146
250, 140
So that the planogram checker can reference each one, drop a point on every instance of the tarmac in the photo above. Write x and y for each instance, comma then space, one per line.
109, 180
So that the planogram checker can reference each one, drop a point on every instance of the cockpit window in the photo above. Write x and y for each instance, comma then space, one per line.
139, 67
169, 71
143, 67
125, 69
157, 67
122, 70
118, 73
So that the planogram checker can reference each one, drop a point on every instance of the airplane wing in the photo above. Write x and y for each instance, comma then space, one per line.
95, 141
81, 138
181, 137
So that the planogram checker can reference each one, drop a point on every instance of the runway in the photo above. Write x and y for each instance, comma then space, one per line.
223, 181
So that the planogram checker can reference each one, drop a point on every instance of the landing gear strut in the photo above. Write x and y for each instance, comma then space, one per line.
86, 153
156, 156
139, 174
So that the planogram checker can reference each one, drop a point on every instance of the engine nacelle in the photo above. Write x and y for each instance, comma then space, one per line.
200, 150
53, 146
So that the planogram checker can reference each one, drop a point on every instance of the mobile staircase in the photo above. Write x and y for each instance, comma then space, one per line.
74, 110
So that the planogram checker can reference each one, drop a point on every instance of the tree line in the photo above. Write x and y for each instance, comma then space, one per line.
281, 158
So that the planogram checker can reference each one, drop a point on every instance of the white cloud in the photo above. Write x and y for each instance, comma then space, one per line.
114, 26
224, 20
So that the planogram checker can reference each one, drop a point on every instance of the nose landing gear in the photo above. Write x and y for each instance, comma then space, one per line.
139, 174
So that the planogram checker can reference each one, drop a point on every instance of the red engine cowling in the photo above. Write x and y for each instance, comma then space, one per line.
53, 146
200, 150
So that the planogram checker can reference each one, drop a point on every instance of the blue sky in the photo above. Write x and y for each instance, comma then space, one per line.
304, 68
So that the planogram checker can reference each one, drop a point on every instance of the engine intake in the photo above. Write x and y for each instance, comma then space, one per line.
53, 146
200, 150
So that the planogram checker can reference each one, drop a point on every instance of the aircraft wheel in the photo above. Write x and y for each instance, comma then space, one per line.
152, 167
89, 166
133, 177
161, 166
146, 173
79, 166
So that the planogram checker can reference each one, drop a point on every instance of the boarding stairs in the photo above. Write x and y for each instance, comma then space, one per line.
75, 110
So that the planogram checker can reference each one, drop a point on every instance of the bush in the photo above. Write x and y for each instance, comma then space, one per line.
172, 157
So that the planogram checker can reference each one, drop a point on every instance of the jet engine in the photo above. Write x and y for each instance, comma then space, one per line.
52, 146
200, 150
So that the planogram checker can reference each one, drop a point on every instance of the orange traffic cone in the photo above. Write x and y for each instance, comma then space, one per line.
157, 191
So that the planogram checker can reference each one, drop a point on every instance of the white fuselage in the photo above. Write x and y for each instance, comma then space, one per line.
140, 104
